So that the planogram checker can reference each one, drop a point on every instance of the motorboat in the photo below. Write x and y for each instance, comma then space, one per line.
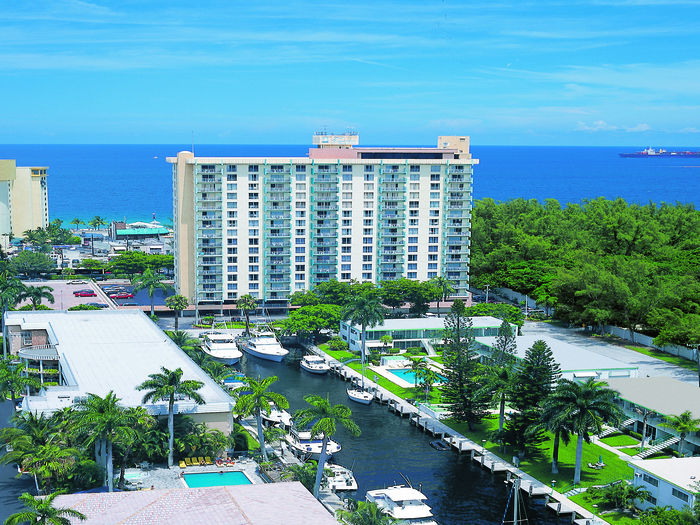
314, 364
302, 444
277, 416
222, 347
440, 444
338, 478
235, 381
358, 395
264, 344
403, 503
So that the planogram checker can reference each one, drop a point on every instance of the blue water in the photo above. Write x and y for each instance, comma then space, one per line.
217, 479
135, 182
410, 376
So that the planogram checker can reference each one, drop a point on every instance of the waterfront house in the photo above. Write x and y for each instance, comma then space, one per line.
81, 352
671, 482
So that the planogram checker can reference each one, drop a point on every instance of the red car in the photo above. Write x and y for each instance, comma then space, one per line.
85, 293
122, 295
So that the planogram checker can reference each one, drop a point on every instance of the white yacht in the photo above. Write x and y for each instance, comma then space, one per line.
222, 347
301, 443
277, 416
358, 395
339, 478
264, 344
403, 503
314, 364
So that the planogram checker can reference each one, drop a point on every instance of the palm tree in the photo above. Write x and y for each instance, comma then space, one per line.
150, 281
446, 289
95, 223
104, 419
36, 293
177, 303
13, 380
77, 222
684, 425
323, 419
141, 421
365, 310
10, 290
554, 419
497, 385
366, 513
246, 304
304, 473
427, 377
164, 386
258, 401
585, 406
417, 364
40, 511
48, 461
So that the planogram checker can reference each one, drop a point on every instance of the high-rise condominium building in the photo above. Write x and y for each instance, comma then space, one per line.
24, 200
271, 226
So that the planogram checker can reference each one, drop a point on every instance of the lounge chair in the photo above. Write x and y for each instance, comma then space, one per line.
200, 460
188, 462
594, 467
182, 464
207, 460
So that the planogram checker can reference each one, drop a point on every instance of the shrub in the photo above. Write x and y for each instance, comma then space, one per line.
336, 343
84, 307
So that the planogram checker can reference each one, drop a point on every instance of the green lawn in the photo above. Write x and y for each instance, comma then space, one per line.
340, 355
658, 354
620, 440
616, 518
539, 463
437, 359
634, 450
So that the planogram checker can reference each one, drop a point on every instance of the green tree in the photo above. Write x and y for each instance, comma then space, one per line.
533, 382
104, 419
177, 303
554, 420
303, 298
684, 424
32, 263
334, 292
10, 291
323, 419
586, 406
386, 341
48, 462
505, 312
13, 379
83, 307
138, 419
150, 282
313, 319
255, 399
366, 513
68, 272
667, 516
164, 386
95, 224
304, 473
504, 351
77, 222
93, 264
246, 304
41, 511
417, 365
394, 294
130, 263
497, 384
36, 293
444, 285
462, 391
364, 310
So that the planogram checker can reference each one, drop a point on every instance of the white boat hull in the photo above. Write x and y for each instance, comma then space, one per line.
359, 396
224, 360
318, 371
277, 358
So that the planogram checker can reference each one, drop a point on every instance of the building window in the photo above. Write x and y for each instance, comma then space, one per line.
346, 267
413, 240
345, 258
367, 267
299, 241
300, 168
415, 168
369, 176
367, 240
413, 249
345, 276
369, 169
300, 249
412, 275
253, 169
254, 286
253, 249
680, 495
432, 275
299, 276
651, 499
26, 338
300, 258
650, 480
231, 177
367, 276
366, 249
347, 168
412, 266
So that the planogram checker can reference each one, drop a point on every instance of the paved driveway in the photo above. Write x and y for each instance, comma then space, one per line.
648, 366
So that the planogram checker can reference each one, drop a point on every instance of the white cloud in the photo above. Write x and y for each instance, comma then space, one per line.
639, 128
598, 125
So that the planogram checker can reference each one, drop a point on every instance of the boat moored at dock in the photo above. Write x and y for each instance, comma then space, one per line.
222, 347
339, 478
403, 503
264, 344
314, 364
302, 443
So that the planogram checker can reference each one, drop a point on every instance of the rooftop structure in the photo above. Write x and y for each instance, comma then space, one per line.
268, 504
413, 331
269, 226
575, 361
24, 200
672, 482
98, 352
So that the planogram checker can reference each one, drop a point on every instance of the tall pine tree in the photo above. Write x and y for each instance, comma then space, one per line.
462, 390
535, 380
504, 352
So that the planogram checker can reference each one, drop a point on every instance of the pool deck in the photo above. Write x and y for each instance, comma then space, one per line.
386, 373
555, 501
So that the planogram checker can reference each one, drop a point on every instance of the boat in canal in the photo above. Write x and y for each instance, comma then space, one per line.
277, 416
403, 503
339, 478
222, 347
314, 364
359, 394
264, 344
303, 444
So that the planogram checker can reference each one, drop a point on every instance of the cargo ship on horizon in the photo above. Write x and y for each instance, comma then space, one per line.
651, 152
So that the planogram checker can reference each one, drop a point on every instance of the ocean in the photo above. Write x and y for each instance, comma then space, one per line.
134, 182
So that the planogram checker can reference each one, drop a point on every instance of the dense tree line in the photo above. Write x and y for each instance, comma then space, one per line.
599, 262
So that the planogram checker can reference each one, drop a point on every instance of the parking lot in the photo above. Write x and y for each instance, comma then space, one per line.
63, 294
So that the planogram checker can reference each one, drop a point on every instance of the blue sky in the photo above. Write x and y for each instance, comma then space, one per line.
535, 73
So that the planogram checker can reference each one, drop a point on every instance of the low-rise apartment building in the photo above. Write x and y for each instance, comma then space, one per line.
671, 482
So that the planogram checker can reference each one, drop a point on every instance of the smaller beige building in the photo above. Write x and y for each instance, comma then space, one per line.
24, 200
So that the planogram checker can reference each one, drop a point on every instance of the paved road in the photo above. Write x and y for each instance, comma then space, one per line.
648, 366
10, 487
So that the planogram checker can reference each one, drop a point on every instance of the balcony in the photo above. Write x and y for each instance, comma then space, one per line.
273, 207
208, 187
39, 353
278, 252
325, 244
324, 207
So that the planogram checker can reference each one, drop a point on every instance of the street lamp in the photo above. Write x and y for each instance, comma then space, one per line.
483, 446
554, 482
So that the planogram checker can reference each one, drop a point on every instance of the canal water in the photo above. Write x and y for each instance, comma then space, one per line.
458, 490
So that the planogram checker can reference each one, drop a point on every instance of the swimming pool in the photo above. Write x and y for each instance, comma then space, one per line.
409, 375
217, 479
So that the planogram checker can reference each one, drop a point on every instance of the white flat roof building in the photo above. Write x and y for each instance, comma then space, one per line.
671, 481
98, 352
575, 361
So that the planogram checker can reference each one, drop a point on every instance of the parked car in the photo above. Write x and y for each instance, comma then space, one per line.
121, 295
98, 305
77, 282
129, 303
76, 292
85, 293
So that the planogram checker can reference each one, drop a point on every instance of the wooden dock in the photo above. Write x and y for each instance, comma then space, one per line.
555, 501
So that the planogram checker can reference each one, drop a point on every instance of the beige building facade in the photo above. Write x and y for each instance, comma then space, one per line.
269, 226
24, 200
